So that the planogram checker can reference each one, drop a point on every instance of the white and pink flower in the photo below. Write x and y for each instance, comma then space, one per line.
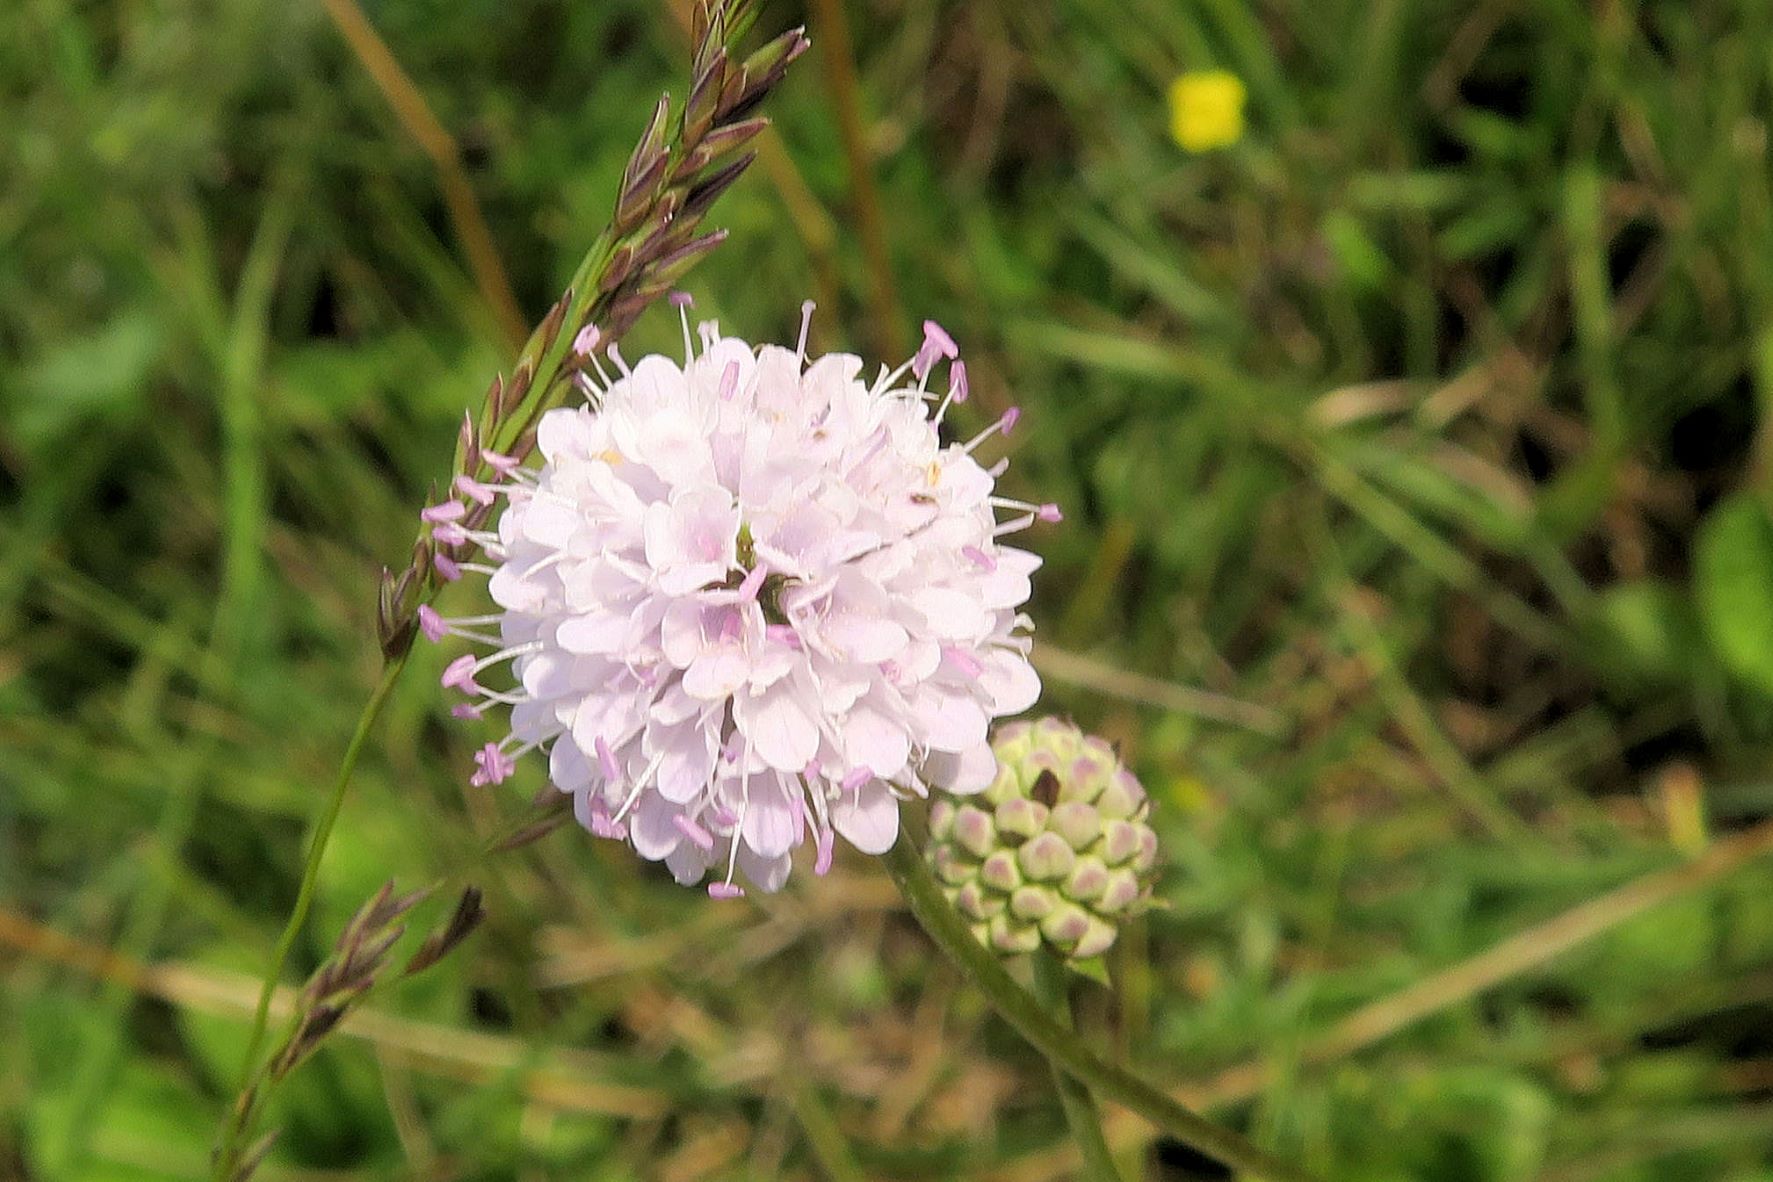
748, 600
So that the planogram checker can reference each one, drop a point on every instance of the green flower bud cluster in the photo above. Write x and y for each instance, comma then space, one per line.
1056, 850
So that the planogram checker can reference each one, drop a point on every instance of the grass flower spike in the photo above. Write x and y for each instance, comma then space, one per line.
749, 600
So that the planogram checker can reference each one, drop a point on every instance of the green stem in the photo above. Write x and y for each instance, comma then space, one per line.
1053, 992
1061, 1046
240, 1121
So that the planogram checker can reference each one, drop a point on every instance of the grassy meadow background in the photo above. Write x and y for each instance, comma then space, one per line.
1416, 455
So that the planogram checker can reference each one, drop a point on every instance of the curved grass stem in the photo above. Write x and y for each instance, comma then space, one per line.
239, 1126
1061, 1047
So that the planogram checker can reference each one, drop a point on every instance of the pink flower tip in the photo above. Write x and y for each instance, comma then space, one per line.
446, 567
499, 462
725, 890
682, 299
1010, 418
957, 375
585, 341
447, 511
822, 858
464, 711
430, 623
449, 533
1049, 513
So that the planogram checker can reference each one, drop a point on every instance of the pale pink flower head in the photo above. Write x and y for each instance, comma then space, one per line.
751, 600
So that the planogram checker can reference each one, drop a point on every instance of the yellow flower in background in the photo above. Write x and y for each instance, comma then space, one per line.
1206, 110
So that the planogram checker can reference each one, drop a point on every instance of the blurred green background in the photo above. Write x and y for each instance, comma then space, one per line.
1415, 450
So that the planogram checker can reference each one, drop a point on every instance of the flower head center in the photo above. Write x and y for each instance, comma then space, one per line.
769, 591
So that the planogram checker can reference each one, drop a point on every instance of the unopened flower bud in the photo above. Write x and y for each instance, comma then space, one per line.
1056, 851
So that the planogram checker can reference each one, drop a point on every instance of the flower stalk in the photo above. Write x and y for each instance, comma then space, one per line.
923, 894
1053, 991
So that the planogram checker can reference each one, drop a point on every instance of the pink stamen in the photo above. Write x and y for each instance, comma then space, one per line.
1010, 418
602, 826
474, 490
464, 711
936, 343
966, 662
430, 623
500, 462
753, 583
586, 340
495, 766
957, 377
606, 759
1049, 513
459, 674
935, 334
823, 845
450, 534
447, 511
682, 299
693, 831
725, 890
446, 567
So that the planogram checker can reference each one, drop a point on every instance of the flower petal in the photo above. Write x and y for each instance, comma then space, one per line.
874, 741
868, 820
780, 724
962, 773
771, 826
